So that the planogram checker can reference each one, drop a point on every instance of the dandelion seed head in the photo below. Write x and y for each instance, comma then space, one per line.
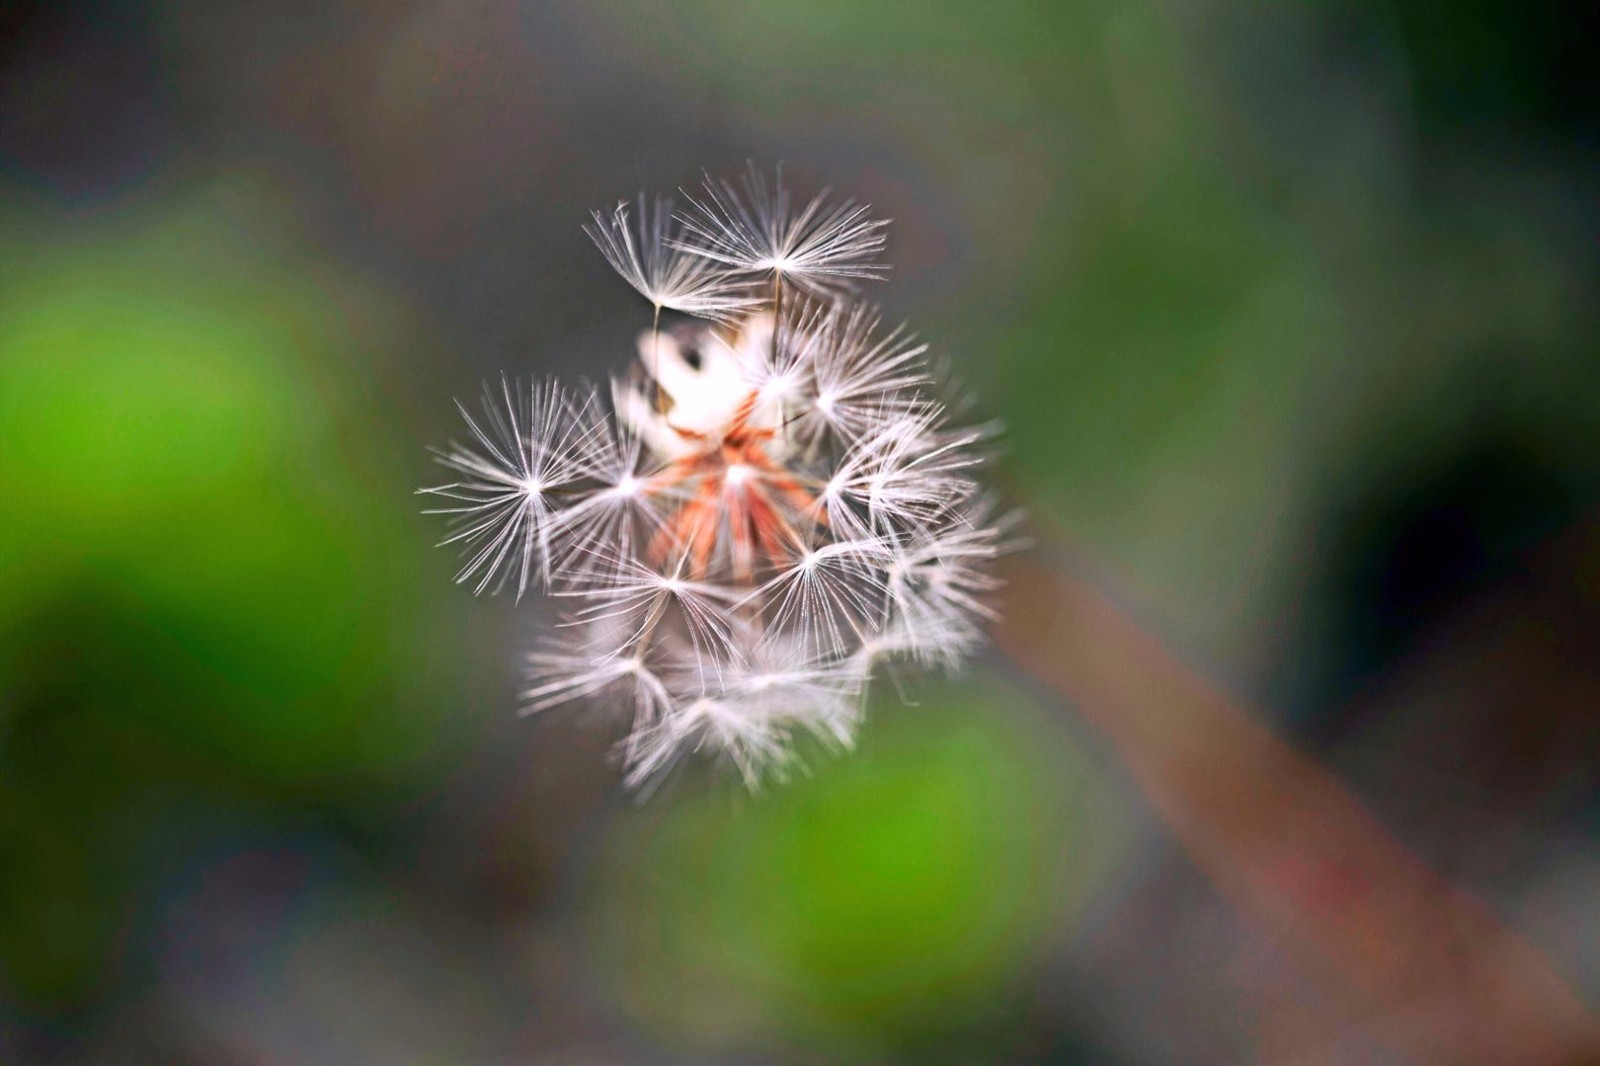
767, 511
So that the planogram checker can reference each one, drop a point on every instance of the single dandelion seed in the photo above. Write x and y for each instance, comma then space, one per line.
754, 742
862, 376
649, 257
902, 476
618, 501
637, 595
941, 581
827, 596
529, 445
563, 671
821, 247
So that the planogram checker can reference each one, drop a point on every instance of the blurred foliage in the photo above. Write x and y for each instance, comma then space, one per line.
889, 898
1477, 61
209, 585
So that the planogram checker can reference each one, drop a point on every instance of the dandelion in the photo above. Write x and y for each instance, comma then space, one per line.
828, 595
862, 375
637, 594
562, 672
940, 581
773, 510
530, 447
902, 475
651, 259
619, 501
821, 247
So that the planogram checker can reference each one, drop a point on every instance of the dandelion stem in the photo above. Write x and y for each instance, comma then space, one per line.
655, 345
648, 630
1287, 841
777, 311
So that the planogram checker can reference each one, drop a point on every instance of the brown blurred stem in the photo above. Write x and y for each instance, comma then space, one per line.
1288, 844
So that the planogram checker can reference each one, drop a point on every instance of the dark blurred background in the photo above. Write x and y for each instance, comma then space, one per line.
1291, 313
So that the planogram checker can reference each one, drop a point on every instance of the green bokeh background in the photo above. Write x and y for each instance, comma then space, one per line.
1248, 286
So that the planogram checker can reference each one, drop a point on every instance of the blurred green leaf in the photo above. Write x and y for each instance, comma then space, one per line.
211, 567
895, 891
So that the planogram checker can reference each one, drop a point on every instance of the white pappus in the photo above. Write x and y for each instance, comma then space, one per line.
768, 508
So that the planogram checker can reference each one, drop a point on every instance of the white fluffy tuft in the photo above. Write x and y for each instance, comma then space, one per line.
773, 509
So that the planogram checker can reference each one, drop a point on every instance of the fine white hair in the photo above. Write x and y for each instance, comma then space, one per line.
771, 508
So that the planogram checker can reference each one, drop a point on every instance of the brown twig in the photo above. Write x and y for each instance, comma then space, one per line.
1286, 842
